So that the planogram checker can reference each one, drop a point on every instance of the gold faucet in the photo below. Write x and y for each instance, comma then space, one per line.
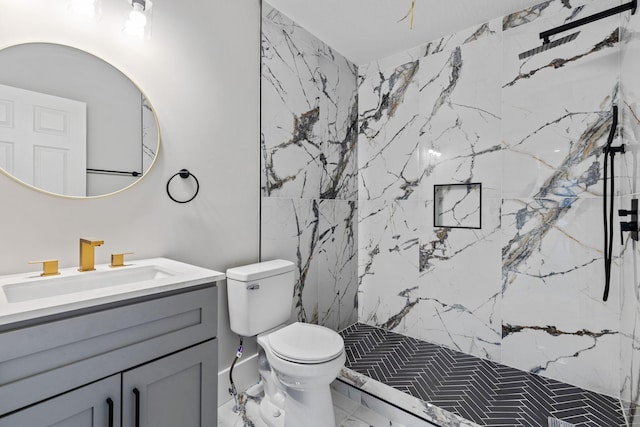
87, 262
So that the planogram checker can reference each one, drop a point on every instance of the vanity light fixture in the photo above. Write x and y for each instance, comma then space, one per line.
137, 24
89, 9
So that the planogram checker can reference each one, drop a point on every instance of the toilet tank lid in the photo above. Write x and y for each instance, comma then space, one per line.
260, 270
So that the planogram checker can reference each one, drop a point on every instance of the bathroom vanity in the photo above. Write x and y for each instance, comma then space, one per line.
136, 347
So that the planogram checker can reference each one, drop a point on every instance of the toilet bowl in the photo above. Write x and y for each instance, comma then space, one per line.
305, 359
297, 362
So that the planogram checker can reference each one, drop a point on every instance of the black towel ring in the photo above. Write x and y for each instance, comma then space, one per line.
184, 174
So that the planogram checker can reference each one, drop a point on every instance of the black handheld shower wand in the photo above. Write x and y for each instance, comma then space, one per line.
607, 204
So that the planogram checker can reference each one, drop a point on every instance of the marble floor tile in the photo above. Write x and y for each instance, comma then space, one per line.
348, 412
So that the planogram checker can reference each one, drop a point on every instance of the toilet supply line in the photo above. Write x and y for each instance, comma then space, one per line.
232, 390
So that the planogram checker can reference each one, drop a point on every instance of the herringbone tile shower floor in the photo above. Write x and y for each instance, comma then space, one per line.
485, 392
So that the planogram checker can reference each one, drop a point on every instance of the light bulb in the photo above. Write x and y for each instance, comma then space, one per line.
136, 22
137, 16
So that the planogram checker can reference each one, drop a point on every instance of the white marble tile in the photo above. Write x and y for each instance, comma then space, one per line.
399, 417
320, 238
388, 145
444, 44
575, 356
552, 257
308, 114
309, 141
388, 251
572, 10
554, 320
289, 230
630, 104
339, 126
629, 282
459, 105
390, 62
290, 113
404, 401
337, 264
557, 109
343, 401
348, 412
459, 288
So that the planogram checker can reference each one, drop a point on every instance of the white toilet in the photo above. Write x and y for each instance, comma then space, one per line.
297, 362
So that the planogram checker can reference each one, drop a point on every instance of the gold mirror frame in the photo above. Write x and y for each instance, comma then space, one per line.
144, 101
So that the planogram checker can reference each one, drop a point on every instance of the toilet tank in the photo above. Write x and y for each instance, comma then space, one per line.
260, 296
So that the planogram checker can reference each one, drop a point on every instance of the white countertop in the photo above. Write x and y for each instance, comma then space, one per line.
180, 276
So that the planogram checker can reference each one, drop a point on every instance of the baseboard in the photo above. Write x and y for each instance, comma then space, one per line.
245, 374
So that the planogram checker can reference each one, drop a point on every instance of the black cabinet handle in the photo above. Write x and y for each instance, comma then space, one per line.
136, 393
110, 405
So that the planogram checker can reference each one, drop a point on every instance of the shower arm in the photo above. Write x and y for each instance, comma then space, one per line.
600, 15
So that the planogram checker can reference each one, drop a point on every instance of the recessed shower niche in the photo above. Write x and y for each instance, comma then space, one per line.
457, 205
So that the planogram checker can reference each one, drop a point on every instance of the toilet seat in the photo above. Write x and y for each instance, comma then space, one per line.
306, 343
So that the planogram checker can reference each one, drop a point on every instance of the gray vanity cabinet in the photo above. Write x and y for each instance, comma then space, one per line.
178, 390
62, 372
84, 407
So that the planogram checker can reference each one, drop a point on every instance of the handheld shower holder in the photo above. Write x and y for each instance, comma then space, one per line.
614, 150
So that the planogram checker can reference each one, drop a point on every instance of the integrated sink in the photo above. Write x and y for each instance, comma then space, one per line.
29, 297
60, 285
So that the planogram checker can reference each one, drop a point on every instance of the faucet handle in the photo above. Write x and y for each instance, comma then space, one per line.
117, 260
49, 267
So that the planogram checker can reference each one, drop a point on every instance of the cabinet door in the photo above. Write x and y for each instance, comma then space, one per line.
177, 390
84, 407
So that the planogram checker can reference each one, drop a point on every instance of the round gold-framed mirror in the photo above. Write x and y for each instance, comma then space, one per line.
71, 124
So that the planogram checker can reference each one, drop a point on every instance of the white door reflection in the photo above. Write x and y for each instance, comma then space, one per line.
43, 140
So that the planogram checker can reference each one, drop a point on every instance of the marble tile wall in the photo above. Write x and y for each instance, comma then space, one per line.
525, 289
554, 320
309, 171
629, 258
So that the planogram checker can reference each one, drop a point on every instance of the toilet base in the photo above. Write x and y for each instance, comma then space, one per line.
271, 414
309, 408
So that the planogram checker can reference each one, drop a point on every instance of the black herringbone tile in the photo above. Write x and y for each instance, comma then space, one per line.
482, 391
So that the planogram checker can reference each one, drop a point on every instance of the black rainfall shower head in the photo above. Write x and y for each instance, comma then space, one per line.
549, 45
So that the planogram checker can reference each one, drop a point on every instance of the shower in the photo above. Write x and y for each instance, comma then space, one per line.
608, 151
545, 36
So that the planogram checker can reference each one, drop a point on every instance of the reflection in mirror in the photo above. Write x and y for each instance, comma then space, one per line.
70, 123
